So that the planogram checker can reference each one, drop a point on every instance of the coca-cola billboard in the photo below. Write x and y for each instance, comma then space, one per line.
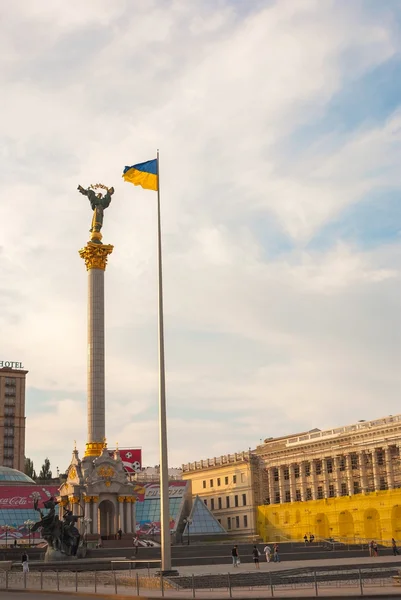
13, 496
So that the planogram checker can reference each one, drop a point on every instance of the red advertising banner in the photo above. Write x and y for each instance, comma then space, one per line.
132, 459
21, 496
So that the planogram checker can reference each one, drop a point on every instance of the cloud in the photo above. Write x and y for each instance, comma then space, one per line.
276, 320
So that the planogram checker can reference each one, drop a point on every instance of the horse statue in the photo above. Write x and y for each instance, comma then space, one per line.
60, 535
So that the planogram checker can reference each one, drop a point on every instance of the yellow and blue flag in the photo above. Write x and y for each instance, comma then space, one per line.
143, 174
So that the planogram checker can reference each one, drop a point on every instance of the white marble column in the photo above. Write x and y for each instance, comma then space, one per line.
128, 515
375, 469
272, 495
348, 470
362, 470
95, 516
314, 479
291, 468
302, 478
281, 483
337, 475
325, 478
121, 523
389, 468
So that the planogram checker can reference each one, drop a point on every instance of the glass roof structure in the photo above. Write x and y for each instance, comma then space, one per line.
202, 520
8, 475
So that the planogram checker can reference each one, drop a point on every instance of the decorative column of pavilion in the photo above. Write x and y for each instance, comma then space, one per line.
95, 256
389, 468
272, 495
362, 470
375, 469
281, 483
292, 482
314, 479
302, 478
325, 478
348, 470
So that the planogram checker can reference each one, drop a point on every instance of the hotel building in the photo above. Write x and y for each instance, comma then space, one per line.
12, 417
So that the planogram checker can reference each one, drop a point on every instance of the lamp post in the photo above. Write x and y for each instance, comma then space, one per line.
188, 522
29, 523
7, 528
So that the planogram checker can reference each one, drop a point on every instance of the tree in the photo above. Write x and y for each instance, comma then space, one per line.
45, 472
28, 468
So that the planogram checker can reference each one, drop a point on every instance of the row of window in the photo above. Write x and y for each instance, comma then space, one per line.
11, 381
329, 462
235, 521
220, 502
226, 481
9, 402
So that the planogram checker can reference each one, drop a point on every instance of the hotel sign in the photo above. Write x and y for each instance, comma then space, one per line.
11, 364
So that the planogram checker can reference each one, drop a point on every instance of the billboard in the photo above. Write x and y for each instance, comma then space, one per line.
147, 508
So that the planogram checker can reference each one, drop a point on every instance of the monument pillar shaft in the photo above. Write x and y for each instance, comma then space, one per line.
96, 365
95, 256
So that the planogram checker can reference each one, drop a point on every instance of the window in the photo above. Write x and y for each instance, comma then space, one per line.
219, 503
331, 491
354, 462
211, 483
318, 467
243, 499
245, 521
286, 473
242, 477
320, 492
277, 498
219, 520
204, 484
383, 485
275, 472
298, 495
229, 523
237, 522
287, 496
234, 479
356, 487
380, 457
205, 501
341, 463
309, 493
227, 501
212, 504
218, 481
235, 500
329, 465
307, 469
226, 480
296, 471
344, 491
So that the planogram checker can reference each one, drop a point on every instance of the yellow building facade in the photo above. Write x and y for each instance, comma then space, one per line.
232, 487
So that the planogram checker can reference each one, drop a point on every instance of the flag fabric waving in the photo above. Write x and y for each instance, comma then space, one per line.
143, 174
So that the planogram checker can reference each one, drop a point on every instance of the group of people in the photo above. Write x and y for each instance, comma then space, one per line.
310, 539
256, 554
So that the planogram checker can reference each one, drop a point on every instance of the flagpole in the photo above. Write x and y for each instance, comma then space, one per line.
164, 487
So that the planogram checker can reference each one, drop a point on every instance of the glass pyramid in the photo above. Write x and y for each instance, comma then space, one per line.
202, 520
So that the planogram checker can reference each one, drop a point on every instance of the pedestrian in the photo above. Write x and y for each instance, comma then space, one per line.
394, 547
120, 533
235, 556
375, 549
276, 557
371, 548
268, 551
306, 539
136, 545
256, 554
311, 538
25, 565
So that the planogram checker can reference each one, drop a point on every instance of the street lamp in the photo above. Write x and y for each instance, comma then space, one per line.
29, 524
7, 528
188, 522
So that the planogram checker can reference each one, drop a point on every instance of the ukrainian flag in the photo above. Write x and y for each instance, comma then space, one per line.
143, 174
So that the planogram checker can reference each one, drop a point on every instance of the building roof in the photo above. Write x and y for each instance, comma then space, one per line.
13, 476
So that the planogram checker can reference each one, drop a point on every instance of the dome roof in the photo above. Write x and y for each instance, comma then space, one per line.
8, 475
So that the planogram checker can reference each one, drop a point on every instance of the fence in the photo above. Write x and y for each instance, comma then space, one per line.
312, 582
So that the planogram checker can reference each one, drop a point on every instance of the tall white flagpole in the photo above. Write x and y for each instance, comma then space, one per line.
164, 487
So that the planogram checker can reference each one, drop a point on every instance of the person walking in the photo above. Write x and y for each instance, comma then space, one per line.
394, 547
25, 565
136, 545
235, 556
306, 539
256, 554
371, 548
375, 548
268, 551
276, 557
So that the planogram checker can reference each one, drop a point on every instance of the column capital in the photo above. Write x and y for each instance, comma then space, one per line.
95, 255
73, 499
120, 498
87, 499
95, 498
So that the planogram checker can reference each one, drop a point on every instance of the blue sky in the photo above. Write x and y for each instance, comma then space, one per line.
279, 126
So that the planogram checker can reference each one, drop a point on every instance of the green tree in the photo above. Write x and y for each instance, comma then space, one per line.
29, 469
45, 472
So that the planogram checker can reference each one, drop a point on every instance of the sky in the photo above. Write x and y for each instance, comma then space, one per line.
279, 129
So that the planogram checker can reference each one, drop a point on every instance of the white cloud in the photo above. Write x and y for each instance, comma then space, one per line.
255, 342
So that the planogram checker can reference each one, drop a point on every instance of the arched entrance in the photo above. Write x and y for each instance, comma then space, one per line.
107, 519
346, 524
373, 530
321, 526
396, 521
